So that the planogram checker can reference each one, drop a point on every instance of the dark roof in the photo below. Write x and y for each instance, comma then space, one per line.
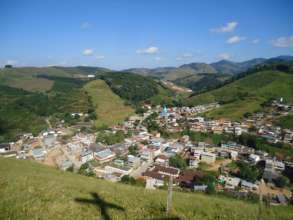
154, 175
189, 176
169, 170
4, 145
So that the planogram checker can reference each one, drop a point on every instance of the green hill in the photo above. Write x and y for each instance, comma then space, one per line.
109, 107
27, 77
248, 93
33, 191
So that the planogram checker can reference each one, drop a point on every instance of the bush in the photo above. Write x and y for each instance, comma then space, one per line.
282, 181
178, 162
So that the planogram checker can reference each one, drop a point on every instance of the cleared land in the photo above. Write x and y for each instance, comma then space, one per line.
32, 84
110, 108
33, 191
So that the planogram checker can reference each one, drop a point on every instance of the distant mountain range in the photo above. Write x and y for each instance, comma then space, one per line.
220, 67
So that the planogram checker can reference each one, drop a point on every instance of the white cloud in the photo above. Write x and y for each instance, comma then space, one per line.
235, 39
229, 27
283, 42
255, 41
184, 56
224, 56
100, 57
11, 62
88, 52
85, 25
149, 50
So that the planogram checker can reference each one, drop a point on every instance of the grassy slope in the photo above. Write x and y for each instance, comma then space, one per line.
110, 108
32, 191
25, 77
246, 95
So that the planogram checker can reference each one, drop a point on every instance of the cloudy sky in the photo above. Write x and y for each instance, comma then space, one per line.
123, 34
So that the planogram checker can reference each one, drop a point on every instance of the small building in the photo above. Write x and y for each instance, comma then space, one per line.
253, 158
154, 179
275, 165
86, 156
230, 182
207, 157
4, 148
162, 160
39, 153
248, 185
104, 155
193, 162
133, 161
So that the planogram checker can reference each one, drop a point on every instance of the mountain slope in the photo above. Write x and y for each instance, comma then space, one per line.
27, 78
247, 94
109, 107
33, 191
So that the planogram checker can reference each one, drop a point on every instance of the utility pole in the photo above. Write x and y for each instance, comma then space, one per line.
260, 199
169, 197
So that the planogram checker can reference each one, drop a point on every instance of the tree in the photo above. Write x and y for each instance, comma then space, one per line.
248, 172
178, 162
133, 150
86, 170
282, 181
128, 180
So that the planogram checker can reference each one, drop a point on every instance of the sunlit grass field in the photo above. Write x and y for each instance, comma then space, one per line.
29, 190
110, 108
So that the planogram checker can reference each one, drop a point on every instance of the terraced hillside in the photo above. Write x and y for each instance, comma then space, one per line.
247, 94
33, 191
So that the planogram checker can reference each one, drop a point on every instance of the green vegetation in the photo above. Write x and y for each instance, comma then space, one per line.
22, 111
27, 77
259, 143
133, 150
110, 108
248, 172
178, 162
206, 137
286, 122
132, 87
247, 94
86, 170
33, 191
202, 82
110, 138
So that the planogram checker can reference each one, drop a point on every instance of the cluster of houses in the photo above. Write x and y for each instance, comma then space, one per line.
146, 155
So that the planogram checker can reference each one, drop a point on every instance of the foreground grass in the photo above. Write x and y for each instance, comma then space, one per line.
109, 107
29, 190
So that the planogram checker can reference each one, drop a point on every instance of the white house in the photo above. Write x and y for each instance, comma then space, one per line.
86, 156
254, 158
208, 157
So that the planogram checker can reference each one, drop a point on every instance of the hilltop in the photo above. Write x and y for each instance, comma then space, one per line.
202, 76
33, 191
248, 93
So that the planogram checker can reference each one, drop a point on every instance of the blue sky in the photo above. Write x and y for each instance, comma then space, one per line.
142, 33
